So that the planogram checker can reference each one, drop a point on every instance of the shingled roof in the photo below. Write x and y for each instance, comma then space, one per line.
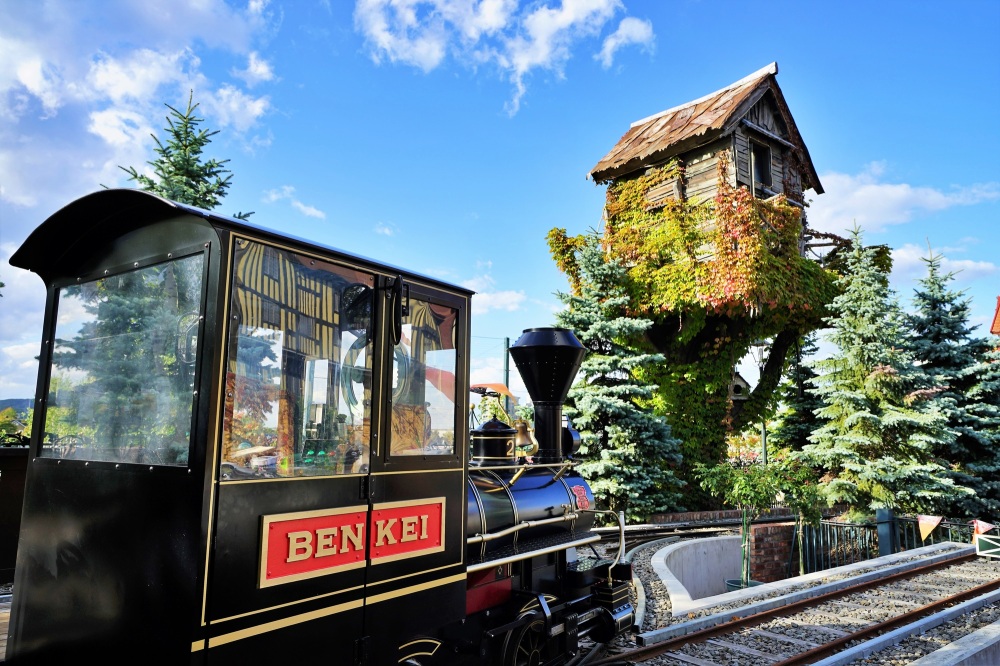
668, 133
995, 326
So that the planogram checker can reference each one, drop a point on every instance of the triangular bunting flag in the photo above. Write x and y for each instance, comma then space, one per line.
927, 525
980, 527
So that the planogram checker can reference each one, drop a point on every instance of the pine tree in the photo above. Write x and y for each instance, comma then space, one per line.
984, 405
797, 404
182, 174
942, 343
875, 451
627, 451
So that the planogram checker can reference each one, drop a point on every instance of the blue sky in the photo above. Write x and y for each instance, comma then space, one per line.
449, 136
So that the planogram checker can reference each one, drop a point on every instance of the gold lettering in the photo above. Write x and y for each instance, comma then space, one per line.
324, 542
409, 524
385, 532
423, 526
299, 546
353, 536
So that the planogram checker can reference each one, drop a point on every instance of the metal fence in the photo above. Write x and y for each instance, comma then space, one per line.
834, 544
907, 533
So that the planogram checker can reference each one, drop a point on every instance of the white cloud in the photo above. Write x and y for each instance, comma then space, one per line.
139, 75
308, 211
383, 229
120, 127
257, 71
230, 107
422, 34
395, 32
866, 200
909, 263
287, 193
630, 31
549, 34
486, 300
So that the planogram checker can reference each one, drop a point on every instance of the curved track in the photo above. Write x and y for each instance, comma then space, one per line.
805, 631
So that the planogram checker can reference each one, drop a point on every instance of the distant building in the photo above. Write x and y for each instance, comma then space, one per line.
995, 326
748, 120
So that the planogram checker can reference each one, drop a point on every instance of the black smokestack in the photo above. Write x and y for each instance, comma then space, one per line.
548, 360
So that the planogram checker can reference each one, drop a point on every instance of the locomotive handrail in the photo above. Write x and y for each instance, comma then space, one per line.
567, 464
563, 468
620, 516
490, 536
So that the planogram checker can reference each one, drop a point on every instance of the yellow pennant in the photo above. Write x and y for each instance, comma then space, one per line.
927, 525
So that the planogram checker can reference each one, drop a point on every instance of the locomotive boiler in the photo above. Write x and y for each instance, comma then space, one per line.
248, 447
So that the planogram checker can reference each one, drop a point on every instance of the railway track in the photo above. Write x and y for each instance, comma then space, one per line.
806, 631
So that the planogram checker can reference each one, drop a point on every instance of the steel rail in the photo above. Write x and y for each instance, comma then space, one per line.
647, 652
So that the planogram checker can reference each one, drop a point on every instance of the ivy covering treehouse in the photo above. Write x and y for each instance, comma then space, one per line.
705, 209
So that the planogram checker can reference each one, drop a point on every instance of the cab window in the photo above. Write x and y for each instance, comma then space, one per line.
423, 382
299, 369
121, 378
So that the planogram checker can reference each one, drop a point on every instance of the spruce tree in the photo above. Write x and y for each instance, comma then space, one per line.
796, 417
182, 174
984, 406
942, 343
876, 449
627, 452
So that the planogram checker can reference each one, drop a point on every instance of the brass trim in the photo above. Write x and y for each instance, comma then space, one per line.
222, 639
402, 592
454, 470
287, 604
281, 479
213, 432
198, 646
386, 581
523, 556
432, 646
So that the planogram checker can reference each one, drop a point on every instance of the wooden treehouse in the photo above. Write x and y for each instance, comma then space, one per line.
748, 121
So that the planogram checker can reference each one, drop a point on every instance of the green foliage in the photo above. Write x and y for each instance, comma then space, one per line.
876, 448
942, 343
713, 278
745, 484
627, 452
181, 173
796, 417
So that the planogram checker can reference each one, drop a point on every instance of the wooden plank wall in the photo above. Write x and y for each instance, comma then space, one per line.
779, 155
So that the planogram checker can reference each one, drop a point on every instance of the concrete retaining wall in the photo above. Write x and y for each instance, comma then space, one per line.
697, 568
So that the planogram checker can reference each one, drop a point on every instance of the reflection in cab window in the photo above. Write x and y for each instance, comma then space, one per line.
298, 385
423, 396
122, 376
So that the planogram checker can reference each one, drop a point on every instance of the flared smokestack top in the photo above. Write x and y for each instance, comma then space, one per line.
548, 360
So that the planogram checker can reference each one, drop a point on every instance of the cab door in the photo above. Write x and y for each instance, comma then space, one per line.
416, 579
289, 528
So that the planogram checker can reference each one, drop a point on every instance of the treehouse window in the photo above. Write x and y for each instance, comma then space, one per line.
760, 160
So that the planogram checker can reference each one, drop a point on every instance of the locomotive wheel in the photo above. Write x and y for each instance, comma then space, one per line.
525, 646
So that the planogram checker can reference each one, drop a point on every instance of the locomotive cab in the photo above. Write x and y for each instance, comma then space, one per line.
246, 447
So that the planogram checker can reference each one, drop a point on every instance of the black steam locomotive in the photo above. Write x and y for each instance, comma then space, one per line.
249, 448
